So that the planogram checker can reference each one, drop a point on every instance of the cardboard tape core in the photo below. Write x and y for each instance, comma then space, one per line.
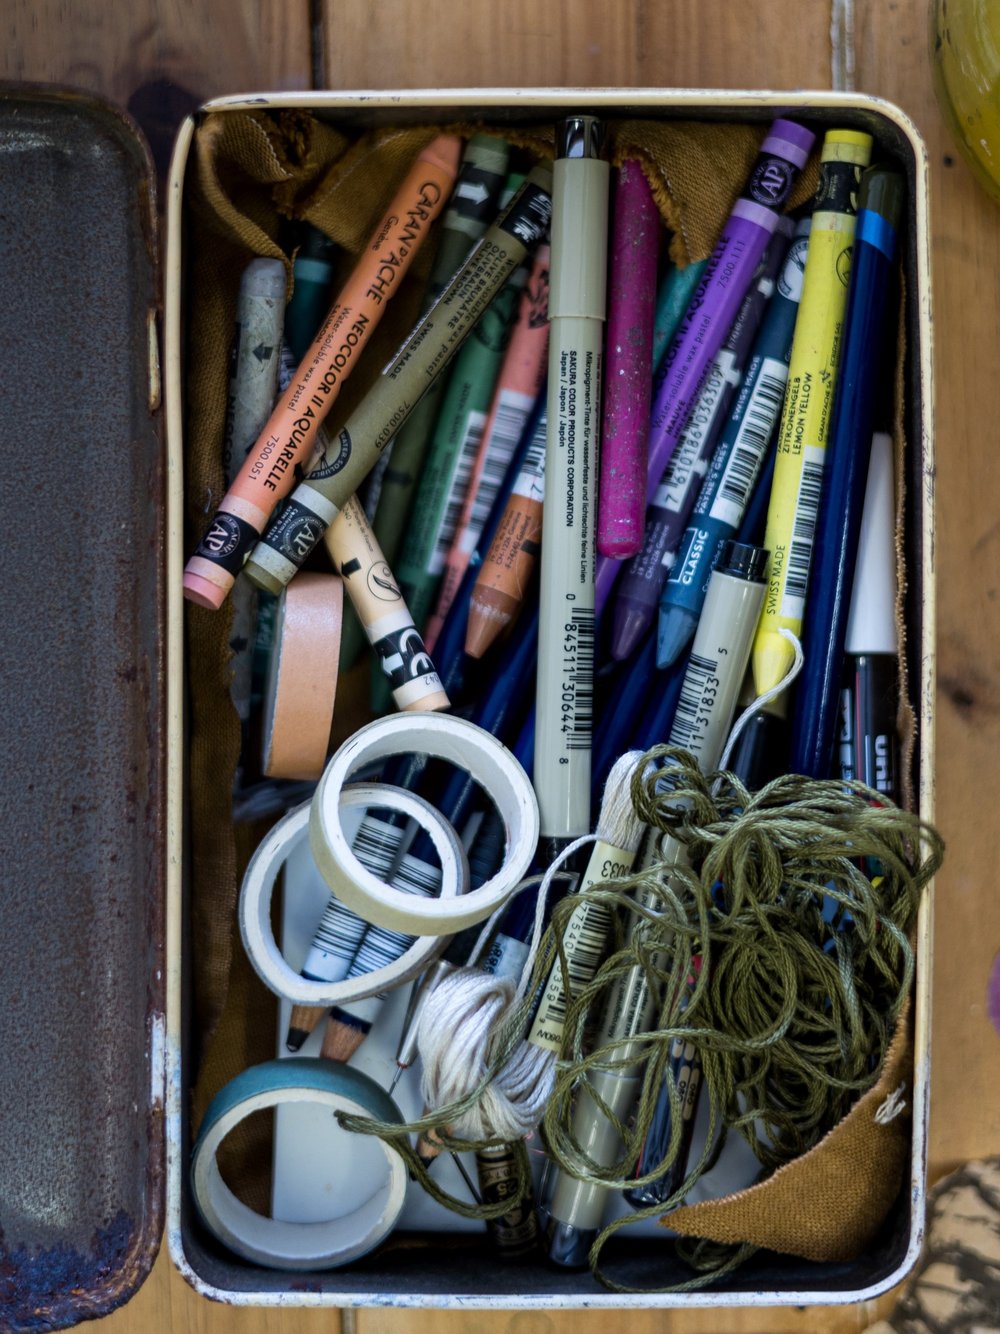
367, 1206
486, 760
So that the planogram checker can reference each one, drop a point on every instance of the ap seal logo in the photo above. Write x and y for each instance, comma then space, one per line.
770, 182
222, 538
301, 536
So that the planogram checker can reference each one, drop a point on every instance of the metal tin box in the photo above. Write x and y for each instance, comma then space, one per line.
87, 1265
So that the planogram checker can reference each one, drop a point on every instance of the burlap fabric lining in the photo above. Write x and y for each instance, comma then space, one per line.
249, 172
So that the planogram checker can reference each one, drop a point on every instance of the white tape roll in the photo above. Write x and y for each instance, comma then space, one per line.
266, 863
372, 1185
446, 737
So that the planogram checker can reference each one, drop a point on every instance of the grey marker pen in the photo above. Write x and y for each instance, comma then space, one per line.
704, 715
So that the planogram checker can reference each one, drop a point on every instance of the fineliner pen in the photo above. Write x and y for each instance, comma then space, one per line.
736, 464
289, 435
701, 724
870, 691
862, 371
805, 420
423, 356
639, 588
564, 713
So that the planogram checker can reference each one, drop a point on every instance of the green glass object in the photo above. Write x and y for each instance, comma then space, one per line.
965, 54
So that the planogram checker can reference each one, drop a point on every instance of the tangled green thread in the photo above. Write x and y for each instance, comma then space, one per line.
784, 957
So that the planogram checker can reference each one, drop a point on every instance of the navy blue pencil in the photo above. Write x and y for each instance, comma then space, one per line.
862, 370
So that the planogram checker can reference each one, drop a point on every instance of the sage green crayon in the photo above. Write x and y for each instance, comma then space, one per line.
473, 206
423, 356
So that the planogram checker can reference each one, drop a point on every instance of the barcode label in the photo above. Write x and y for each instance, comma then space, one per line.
584, 941
340, 931
754, 434
457, 491
796, 572
578, 679
512, 409
694, 708
381, 945
686, 460
531, 479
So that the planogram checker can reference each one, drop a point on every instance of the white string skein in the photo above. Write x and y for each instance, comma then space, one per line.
465, 1010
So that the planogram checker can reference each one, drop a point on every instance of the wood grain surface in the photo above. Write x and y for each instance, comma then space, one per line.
161, 58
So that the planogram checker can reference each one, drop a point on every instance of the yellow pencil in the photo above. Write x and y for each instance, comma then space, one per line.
805, 420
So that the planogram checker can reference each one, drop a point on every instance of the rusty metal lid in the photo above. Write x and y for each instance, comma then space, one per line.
81, 798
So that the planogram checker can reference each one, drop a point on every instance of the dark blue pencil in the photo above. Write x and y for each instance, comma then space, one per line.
861, 373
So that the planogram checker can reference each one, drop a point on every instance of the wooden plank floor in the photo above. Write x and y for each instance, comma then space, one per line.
160, 57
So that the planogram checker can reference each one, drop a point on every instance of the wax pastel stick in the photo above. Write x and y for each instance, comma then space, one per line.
862, 369
672, 301
471, 209
288, 437
805, 419
455, 443
382, 610
868, 743
628, 371
639, 588
518, 384
566, 639
450, 653
716, 300
312, 272
736, 464
505, 577
422, 357
253, 380
701, 724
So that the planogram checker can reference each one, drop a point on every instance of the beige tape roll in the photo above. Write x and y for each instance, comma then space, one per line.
471, 748
302, 676
267, 862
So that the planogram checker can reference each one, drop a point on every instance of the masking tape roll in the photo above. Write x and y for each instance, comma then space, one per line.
377, 1202
262, 872
471, 748
302, 676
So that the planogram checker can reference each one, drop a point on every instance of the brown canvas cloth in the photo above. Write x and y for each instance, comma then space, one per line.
830, 1203
248, 172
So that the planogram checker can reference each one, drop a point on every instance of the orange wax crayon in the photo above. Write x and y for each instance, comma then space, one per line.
510, 563
518, 385
289, 437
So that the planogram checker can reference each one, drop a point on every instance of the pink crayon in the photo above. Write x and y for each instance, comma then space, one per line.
628, 374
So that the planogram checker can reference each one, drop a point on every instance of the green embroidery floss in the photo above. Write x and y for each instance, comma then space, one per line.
784, 956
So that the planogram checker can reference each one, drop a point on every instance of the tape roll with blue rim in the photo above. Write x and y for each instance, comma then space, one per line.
271, 1241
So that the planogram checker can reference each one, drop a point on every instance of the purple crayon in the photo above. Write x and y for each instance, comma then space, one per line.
713, 307
628, 365
638, 593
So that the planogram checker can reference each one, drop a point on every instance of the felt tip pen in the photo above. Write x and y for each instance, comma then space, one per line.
869, 695
805, 420
642, 581
716, 299
736, 465
564, 712
289, 435
422, 358
863, 377
701, 724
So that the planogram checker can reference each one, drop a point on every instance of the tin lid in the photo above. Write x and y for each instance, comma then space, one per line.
81, 806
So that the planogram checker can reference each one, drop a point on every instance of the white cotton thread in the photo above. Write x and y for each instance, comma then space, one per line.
467, 1008
893, 1106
